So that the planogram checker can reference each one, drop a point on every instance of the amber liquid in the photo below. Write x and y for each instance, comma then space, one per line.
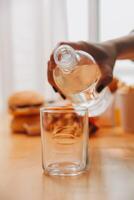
79, 84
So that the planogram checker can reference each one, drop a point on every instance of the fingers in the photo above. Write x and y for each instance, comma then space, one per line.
62, 95
52, 82
59, 92
50, 74
55, 89
51, 62
103, 82
106, 78
52, 65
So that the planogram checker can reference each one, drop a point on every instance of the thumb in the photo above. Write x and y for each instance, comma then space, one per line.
105, 79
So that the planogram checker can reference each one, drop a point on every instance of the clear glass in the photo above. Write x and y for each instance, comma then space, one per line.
77, 75
64, 135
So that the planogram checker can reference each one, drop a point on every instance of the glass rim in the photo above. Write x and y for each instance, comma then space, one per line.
58, 108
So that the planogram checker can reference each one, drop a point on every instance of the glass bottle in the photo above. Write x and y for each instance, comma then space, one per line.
76, 75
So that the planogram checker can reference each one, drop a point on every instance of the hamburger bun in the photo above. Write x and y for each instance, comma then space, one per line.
26, 124
25, 103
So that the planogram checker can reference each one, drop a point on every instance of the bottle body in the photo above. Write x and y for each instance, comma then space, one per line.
78, 81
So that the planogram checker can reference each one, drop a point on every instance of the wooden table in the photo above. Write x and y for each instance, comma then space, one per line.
111, 175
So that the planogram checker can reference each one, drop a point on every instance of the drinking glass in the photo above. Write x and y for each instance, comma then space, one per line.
64, 136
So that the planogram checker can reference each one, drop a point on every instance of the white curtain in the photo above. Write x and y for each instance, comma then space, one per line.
29, 29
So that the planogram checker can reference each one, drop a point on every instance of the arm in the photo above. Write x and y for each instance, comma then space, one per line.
105, 54
125, 47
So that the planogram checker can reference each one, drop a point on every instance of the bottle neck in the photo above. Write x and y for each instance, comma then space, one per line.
65, 58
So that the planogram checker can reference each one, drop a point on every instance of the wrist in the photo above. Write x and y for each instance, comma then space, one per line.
124, 46
111, 48
117, 48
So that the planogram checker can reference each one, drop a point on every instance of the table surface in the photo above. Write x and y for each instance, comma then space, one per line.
111, 174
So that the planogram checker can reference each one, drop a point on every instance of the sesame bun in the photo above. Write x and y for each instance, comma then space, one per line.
25, 103
27, 124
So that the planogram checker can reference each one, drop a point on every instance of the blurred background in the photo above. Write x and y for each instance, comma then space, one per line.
30, 29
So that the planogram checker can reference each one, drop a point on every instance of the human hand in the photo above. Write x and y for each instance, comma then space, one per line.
103, 53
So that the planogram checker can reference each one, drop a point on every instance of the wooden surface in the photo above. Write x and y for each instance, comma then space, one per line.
111, 175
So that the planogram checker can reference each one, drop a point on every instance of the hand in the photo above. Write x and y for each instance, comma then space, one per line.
104, 54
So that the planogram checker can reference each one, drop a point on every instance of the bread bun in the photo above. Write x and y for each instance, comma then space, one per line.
25, 103
27, 124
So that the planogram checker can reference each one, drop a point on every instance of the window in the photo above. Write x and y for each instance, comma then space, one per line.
77, 18
117, 19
